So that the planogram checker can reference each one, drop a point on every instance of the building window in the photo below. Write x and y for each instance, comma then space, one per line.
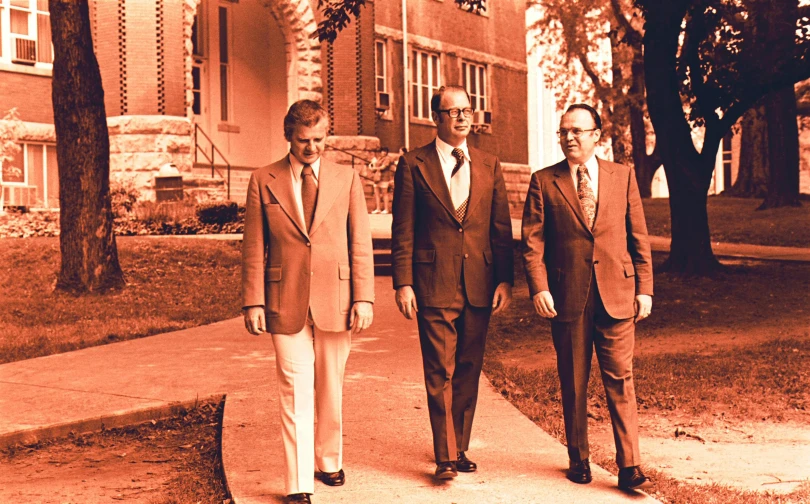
33, 169
25, 33
474, 80
224, 63
425, 72
380, 66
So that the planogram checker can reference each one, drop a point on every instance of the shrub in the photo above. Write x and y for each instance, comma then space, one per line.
123, 196
218, 212
164, 212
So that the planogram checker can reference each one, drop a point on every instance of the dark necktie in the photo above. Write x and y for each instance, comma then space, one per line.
309, 194
587, 199
455, 183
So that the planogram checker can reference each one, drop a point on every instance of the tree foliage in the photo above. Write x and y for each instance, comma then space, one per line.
337, 14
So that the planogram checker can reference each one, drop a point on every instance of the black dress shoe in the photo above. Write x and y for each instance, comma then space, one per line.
631, 478
299, 497
579, 472
463, 464
333, 479
446, 470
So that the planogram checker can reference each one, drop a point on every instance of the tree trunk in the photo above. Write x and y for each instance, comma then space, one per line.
752, 176
620, 117
688, 172
644, 164
89, 253
783, 149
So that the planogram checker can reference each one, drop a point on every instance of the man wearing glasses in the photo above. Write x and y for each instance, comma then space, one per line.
452, 267
587, 260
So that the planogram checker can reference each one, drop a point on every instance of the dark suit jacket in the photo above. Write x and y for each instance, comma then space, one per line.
429, 245
289, 270
561, 253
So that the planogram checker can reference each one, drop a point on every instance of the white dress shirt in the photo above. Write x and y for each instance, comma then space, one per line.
593, 175
295, 169
460, 186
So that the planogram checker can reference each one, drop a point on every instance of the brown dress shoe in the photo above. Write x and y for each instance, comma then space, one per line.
631, 478
299, 497
579, 472
446, 470
463, 464
333, 479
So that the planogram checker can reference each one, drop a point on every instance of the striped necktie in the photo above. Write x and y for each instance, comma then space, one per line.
457, 192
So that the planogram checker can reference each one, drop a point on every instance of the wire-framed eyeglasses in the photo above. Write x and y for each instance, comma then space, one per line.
456, 112
577, 132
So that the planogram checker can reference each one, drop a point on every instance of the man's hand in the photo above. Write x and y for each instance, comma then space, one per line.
361, 316
643, 306
544, 304
502, 297
406, 301
254, 319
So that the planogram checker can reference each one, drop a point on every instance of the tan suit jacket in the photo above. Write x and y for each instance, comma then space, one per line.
561, 253
289, 270
429, 245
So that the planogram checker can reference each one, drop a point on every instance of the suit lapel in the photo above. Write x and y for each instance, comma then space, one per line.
607, 187
478, 172
564, 182
431, 169
281, 188
329, 186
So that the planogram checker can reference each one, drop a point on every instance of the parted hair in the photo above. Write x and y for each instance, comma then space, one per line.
596, 119
305, 113
436, 99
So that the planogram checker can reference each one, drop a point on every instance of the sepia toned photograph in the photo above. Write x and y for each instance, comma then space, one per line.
405, 251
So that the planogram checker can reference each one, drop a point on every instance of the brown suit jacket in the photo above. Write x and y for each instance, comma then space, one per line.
429, 245
561, 253
287, 270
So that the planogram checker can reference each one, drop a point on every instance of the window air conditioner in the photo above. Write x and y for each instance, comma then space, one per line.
383, 101
482, 117
25, 50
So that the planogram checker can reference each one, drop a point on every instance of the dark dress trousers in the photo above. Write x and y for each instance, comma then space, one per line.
593, 276
453, 268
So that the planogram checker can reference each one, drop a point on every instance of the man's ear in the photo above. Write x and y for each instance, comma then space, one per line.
437, 118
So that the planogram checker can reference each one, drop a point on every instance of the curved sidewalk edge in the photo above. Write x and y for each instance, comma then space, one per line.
388, 455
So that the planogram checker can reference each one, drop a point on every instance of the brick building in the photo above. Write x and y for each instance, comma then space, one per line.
191, 82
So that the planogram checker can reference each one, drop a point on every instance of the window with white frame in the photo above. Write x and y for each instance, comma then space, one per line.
474, 77
25, 33
34, 166
380, 61
425, 80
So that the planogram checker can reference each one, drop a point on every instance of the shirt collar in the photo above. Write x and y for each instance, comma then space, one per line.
591, 164
296, 166
446, 149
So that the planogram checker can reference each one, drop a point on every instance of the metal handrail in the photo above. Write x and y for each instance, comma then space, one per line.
214, 152
366, 161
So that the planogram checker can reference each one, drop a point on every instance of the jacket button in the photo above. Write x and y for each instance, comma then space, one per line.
309, 244
460, 230
466, 256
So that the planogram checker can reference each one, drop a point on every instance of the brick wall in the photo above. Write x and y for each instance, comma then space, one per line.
31, 94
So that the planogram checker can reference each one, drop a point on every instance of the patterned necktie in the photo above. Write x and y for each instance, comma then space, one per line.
456, 191
587, 199
309, 194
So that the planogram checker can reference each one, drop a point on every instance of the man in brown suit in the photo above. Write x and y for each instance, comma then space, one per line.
452, 267
588, 266
308, 279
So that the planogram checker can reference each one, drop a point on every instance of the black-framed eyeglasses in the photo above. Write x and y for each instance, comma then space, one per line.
577, 132
455, 112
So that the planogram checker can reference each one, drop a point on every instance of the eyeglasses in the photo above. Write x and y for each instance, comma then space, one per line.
577, 132
455, 112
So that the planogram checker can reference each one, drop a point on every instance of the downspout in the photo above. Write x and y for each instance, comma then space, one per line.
405, 73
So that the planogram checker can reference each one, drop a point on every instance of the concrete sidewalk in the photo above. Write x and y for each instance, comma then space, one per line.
388, 453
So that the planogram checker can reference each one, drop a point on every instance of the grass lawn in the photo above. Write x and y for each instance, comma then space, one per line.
737, 220
172, 283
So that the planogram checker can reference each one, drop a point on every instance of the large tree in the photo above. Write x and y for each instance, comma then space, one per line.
704, 70
89, 253
573, 37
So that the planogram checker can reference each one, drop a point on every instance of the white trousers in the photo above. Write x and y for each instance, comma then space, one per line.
310, 366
